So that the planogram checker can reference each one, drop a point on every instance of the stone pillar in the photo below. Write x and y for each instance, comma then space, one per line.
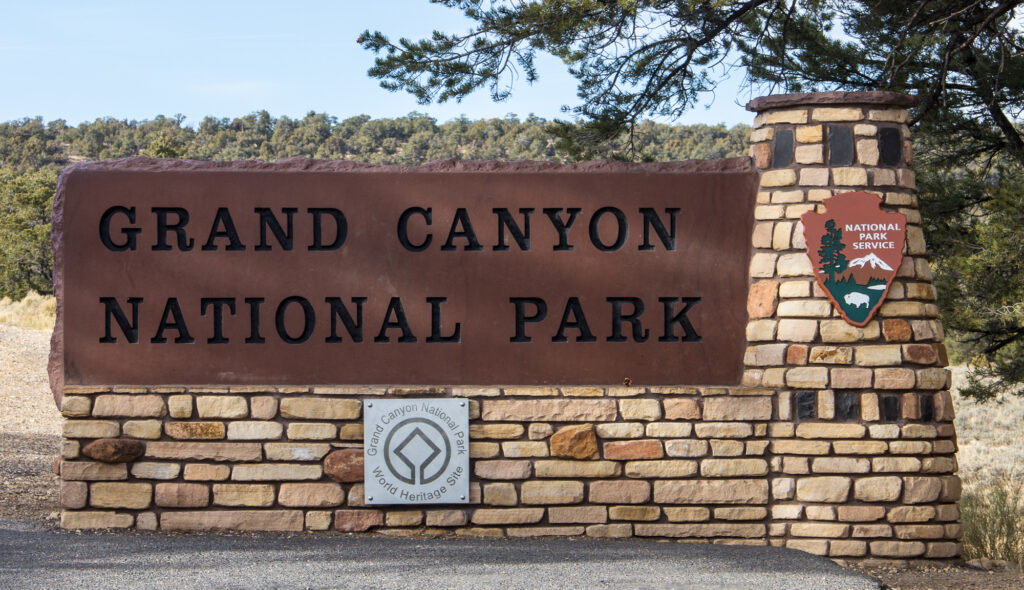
863, 447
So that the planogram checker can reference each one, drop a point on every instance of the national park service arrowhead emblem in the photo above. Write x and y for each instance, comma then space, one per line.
856, 249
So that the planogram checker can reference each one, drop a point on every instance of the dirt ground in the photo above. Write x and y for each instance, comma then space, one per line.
30, 441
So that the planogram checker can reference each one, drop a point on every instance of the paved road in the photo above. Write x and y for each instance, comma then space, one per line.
33, 558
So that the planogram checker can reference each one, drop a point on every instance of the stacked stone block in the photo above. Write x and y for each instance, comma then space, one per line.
863, 449
839, 440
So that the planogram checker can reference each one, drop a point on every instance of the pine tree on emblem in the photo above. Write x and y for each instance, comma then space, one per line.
833, 261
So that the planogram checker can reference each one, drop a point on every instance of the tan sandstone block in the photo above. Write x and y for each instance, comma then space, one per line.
109, 494
850, 176
641, 513
742, 491
144, 429
669, 429
840, 465
507, 515
889, 115
845, 548
241, 520
897, 548
550, 410
204, 451
838, 331
829, 430
195, 430
182, 495
90, 429
660, 469
682, 409
899, 514
291, 451
314, 495
276, 472
149, 470
837, 114
233, 494
129, 406
446, 518
254, 430
616, 430
500, 494
812, 308
180, 406
723, 430
686, 448
921, 490
522, 448
92, 471
823, 489
819, 529
877, 489
502, 469
265, 408
895, 464
481, 450
859, 447
577, 469
73, 494
809, 154
793, 330
795, 116
552, 492
776, 178
204, 472
222, 406
75, 406
640, 409
733, 467
312, 431
800, 447
95, 519
320, 408
867, 152
495, 431
620, 492
700, 530
727, 408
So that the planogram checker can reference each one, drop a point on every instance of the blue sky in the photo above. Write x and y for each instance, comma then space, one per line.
82, 60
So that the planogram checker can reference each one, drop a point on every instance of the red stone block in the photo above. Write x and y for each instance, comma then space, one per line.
627, 450
357, 521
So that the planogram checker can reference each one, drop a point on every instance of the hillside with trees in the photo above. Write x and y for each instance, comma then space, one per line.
32, 153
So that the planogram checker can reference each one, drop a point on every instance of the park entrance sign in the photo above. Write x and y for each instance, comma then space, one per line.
525, 274
742, 351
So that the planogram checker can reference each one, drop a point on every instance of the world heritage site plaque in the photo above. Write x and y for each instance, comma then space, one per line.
416, 451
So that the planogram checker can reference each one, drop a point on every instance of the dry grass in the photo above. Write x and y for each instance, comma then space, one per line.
991, 458
34, 311
993, 519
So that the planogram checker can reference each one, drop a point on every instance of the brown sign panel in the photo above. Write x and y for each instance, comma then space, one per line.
455, 273
856, 250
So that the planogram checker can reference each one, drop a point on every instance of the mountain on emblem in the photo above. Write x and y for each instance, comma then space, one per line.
871, 259
855, 249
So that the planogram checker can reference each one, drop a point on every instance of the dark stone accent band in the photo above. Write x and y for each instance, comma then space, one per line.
877, 97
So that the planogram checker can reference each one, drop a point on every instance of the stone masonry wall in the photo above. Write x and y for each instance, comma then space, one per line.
838, 442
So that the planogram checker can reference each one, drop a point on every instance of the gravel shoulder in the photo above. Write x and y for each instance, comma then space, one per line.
29, 427
30, 542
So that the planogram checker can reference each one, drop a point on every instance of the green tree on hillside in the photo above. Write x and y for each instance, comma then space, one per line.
964, 59
26, 262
